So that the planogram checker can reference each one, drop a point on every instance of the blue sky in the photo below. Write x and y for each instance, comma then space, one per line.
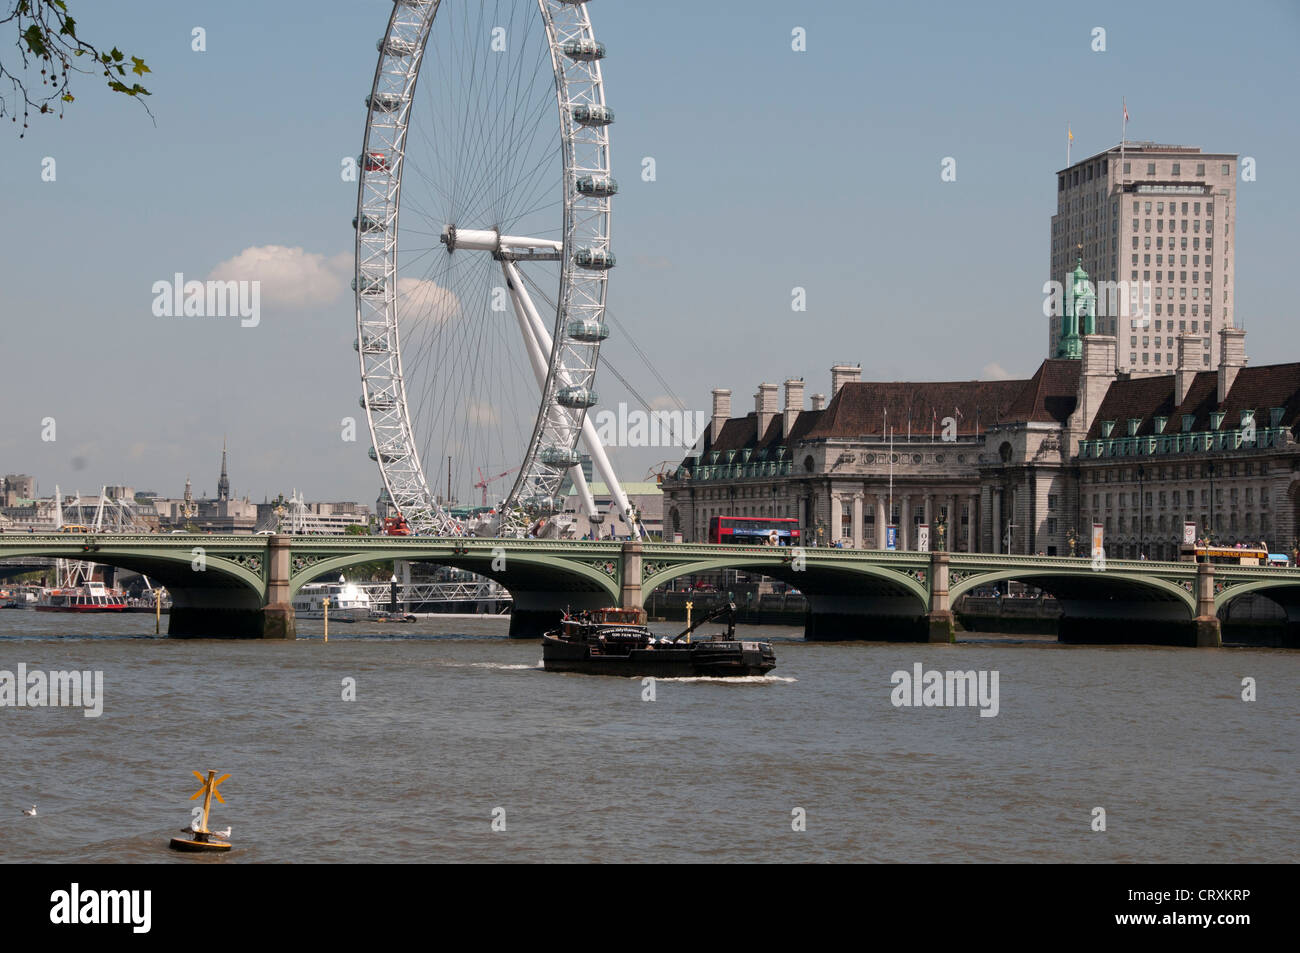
775, 169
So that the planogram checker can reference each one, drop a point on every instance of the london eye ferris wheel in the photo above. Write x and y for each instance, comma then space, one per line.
483, 253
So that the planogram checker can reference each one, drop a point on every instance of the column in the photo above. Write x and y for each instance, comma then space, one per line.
954, 525
881, 521
857, 520
997, 520
834, 531
973, 523
904, 522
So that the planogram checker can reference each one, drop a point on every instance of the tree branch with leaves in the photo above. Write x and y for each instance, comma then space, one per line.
46, 37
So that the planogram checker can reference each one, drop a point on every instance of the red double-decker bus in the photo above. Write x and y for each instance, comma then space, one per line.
754, 530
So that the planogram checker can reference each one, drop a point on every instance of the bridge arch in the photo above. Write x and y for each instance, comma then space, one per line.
174, 568
817, 578
522, 571
1074, 582
1285, 592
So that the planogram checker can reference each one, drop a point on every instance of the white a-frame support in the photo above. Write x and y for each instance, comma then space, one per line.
538, 342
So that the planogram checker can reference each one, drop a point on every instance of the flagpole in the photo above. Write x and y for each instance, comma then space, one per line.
1069, 141
1123, 134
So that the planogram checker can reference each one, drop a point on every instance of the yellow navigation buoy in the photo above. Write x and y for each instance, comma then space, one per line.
201, 839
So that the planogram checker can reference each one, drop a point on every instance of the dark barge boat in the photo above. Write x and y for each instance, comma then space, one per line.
617, 642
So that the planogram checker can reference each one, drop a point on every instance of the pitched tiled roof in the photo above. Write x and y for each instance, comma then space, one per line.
1255, 388
741, 433
862, 408
1051, 394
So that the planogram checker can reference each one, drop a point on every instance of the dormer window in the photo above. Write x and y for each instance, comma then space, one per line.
1247, 419
1189, 420
1159, 424
1133, 425
1275, 415
1107, 427
1216, 419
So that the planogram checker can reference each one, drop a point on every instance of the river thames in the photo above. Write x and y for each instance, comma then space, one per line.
454, 725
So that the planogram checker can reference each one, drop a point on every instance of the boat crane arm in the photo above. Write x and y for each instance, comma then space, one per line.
729, 610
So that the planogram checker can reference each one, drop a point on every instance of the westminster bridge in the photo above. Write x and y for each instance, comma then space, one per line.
242, 585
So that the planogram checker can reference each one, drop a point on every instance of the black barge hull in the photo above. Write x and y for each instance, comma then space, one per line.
700, 659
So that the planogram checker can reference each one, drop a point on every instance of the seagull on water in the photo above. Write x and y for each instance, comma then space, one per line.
224, 835
31, 811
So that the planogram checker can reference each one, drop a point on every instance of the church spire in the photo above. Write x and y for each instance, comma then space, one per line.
223, 484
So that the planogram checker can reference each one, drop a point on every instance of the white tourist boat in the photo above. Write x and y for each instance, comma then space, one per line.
348, 601
91, 596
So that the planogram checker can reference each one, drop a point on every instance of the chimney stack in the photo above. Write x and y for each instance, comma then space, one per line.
818, 401
721, 411
793, 404
1189, 349
765, 407
1232, 358
842, 374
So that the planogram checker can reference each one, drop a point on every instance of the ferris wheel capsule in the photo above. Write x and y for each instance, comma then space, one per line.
593, 115
600, 185
587, 330
594, 259
576, 397
584, 48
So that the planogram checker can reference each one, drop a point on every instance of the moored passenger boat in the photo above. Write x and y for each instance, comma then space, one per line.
91, 597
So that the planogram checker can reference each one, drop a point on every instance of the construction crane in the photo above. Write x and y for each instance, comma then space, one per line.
662, 469
482, 483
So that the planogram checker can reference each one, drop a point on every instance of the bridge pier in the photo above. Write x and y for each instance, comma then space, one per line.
278, 621
536, 613
1208, 633
221, 613
940, 620
631, 597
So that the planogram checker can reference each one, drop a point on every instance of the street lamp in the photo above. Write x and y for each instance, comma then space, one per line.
392, 594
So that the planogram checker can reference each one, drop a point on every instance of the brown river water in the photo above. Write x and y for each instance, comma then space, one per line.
453, 724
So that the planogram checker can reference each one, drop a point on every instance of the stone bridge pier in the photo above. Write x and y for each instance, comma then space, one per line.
537, 611
213, 610
867, 610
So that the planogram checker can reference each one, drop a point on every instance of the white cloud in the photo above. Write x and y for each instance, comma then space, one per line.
481, 414
292, 277
425, 299
995, 372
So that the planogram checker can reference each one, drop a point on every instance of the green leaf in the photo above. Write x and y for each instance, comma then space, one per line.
61, 5
139, 69
118, 55
69, 27
35, 40
67, 97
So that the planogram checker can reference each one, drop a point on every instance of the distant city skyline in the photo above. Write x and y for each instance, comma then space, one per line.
776, 169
